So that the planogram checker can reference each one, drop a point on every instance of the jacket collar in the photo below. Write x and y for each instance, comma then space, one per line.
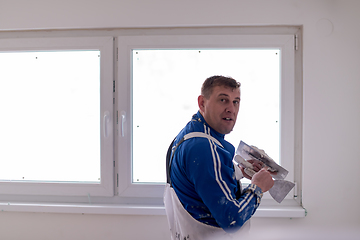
199, 118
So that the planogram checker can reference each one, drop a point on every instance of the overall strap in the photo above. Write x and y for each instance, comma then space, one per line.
171, 150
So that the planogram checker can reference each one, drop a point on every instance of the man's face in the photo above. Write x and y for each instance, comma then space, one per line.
221, 109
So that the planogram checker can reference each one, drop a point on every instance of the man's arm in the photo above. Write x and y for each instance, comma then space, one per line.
215, 184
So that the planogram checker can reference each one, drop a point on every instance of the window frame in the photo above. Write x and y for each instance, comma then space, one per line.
144, 199
284, 42
106, 185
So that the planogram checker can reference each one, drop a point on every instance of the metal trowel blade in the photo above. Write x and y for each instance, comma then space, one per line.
280, 189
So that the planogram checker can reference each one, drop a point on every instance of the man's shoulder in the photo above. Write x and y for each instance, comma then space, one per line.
192, 126
196, 142
197, 146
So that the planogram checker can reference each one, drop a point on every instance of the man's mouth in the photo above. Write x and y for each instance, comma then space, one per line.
227, 119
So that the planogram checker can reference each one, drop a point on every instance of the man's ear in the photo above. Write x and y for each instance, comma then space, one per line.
201, 103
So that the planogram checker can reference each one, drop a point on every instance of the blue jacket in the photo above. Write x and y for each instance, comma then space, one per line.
202, 175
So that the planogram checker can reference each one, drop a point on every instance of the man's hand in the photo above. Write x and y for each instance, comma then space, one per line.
256, 166
263, 180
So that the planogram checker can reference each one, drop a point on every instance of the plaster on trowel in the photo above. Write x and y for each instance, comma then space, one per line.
281, 187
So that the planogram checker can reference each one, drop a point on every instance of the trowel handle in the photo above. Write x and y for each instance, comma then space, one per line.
248, 168
242, 161
249, 171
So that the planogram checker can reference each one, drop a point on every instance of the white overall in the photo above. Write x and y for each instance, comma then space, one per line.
184, 227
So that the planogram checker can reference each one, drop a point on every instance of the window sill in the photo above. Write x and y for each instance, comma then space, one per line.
280, 211
129, 209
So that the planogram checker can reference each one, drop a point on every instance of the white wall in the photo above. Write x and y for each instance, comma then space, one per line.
331, 120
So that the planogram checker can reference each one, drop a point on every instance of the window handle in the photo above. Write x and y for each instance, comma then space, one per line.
106, 123
123, 119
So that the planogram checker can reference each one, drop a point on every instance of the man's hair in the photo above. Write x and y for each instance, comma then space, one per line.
211, 82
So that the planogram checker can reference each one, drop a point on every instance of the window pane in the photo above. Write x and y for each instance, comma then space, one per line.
50, 103
166, 84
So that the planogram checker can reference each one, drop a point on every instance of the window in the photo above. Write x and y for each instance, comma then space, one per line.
155, 78
88, 112
56, 133
171, 99
40, 105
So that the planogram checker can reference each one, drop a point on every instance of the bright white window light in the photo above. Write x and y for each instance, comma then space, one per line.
165, 87
50, 124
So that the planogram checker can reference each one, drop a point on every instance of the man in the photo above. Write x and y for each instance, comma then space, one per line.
201, 175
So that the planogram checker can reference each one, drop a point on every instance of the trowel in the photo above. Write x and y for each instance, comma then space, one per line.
281, 187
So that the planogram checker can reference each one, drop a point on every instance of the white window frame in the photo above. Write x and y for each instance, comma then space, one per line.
106, 186
284, 42
121, 196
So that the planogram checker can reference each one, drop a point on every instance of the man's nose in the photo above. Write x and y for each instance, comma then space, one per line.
230, 108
